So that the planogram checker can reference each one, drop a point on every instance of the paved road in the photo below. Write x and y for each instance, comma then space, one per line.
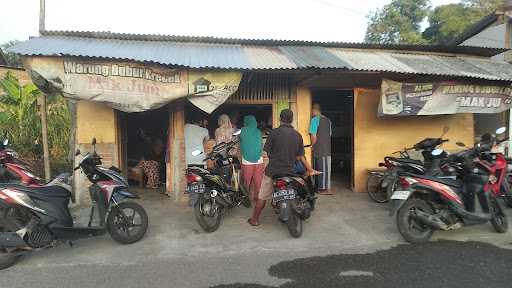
437, 264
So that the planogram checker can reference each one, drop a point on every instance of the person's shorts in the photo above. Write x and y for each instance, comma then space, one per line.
267, 187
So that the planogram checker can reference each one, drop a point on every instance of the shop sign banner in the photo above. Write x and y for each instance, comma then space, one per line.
448, 97
208, 90
124, 85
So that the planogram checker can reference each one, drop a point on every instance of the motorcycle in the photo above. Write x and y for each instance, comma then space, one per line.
213, 192
33, 218
394, 165
426, 203
293, 200
14, 170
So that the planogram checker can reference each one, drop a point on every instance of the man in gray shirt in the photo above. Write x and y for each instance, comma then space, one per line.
320, 131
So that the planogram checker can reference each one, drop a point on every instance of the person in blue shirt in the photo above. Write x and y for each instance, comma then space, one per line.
320, 132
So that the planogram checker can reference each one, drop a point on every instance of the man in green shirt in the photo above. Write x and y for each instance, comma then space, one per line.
320, 132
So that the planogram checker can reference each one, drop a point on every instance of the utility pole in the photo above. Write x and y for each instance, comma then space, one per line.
42, 105
42, 15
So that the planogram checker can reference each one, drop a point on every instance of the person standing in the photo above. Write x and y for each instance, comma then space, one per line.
225, 131
320, 132
252, 161
195, 139
284, 146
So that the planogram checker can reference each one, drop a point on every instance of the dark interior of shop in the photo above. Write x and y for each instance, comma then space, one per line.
337, 105
146, 136
236, 113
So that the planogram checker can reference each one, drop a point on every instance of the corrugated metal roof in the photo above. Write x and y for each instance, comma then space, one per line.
210, 55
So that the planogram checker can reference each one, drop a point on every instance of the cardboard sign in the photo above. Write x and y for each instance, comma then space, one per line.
131, 86
449, 97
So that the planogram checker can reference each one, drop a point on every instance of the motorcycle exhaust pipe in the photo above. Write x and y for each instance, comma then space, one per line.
430, 220
11, 239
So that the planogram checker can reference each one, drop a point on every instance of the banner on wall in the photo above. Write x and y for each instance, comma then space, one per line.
130, 86
448, 97
208, 90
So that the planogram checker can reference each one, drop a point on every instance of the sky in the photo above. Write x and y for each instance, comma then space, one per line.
314, 20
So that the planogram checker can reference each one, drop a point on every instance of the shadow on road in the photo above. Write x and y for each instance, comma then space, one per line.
435, 264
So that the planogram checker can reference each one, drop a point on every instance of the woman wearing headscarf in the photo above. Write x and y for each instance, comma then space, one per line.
225, 131
252, 161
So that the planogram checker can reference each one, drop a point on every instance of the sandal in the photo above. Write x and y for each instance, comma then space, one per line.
252, 223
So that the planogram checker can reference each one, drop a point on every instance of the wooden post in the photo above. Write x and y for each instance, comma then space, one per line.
44, 132
42, 14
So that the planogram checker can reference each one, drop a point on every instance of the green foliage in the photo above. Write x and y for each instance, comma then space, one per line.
12, 59
449, 21
400, 21
486, 7
20, 120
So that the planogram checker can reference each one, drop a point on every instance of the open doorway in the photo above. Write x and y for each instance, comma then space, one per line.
338, 106
144, 140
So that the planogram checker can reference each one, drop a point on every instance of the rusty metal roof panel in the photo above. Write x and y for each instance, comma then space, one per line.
209, 55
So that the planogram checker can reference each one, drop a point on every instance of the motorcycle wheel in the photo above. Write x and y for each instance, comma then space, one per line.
374, 188
208, 223
294, 225
127, 222
498, 218
412, 230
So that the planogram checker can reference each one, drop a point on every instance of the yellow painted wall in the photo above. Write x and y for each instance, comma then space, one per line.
95, 120
376, 137
303, 116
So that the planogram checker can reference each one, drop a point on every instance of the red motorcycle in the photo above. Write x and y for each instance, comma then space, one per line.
14, 170
426, 203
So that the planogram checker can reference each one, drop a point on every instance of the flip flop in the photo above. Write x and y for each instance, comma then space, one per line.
253, 224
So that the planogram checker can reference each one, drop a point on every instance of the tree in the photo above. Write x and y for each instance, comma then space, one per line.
21, 124
449, 21
486, 7
398, 22
12, 59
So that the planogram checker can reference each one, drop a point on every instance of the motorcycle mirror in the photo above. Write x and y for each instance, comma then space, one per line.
445, 130
460, 144
77, 152
236, 133
501, 130
6, 142
94, 141
196, 153
437, 152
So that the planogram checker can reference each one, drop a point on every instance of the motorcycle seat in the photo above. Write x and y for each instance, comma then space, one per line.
43, 191
406, 160
446, 181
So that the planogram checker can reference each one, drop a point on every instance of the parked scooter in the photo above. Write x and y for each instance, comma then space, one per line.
32, 218
293, 200
404, 163
14, 170
427, 203
213, 192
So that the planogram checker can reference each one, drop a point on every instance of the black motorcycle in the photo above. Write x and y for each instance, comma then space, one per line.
33, 218
382, 184
293, 200
214, 191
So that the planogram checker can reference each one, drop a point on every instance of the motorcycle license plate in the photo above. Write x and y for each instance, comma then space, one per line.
281, 195
400, 195
196, 188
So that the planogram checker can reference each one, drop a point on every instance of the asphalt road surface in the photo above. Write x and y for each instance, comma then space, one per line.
436, 264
